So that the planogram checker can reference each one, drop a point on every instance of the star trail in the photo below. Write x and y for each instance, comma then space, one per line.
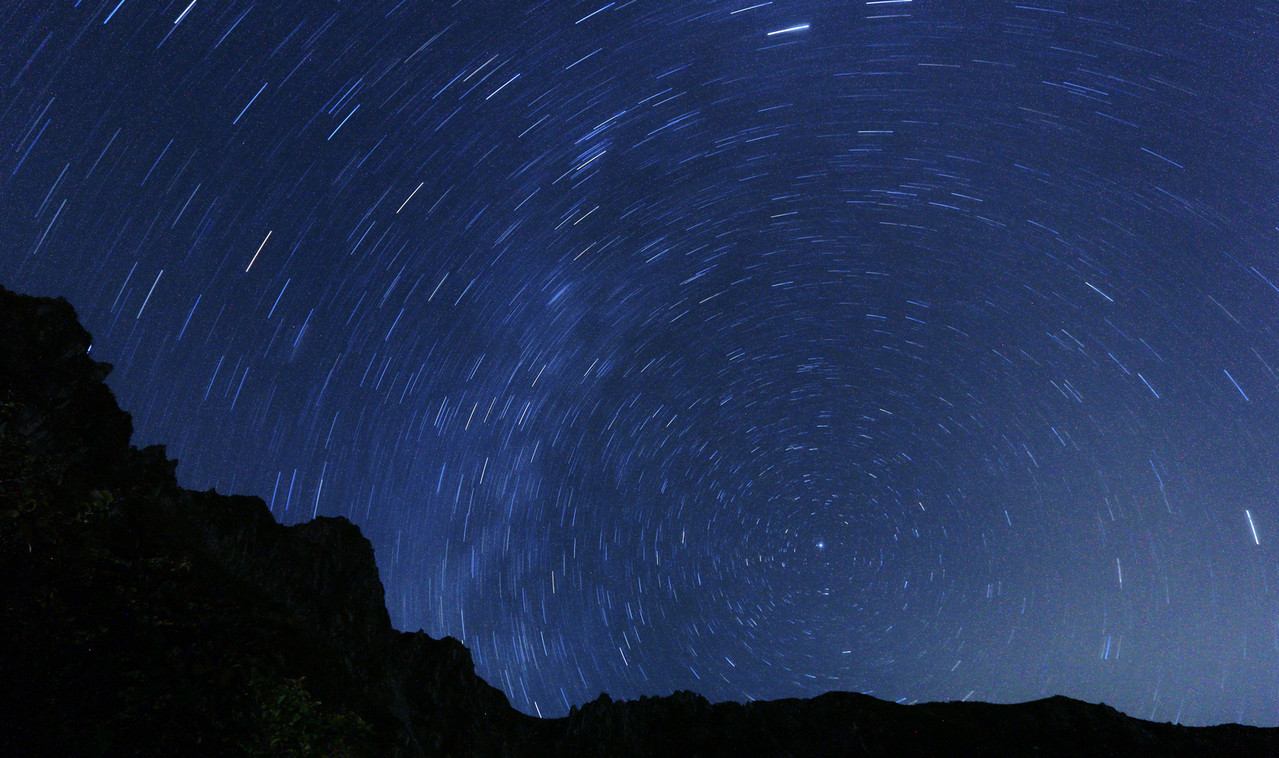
924, 349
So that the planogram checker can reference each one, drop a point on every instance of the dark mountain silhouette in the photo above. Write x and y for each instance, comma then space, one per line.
140, 618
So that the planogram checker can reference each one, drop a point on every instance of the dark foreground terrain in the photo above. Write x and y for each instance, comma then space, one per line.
139, 618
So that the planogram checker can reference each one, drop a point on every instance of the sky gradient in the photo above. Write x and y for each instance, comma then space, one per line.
924, 349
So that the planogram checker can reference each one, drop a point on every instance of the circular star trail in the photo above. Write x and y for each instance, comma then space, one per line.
926, 349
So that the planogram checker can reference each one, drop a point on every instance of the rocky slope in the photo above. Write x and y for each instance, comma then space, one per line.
139, 618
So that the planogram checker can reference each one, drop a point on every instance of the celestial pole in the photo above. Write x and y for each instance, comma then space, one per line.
925, 349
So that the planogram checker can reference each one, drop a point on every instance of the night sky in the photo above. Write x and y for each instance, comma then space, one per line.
924, 349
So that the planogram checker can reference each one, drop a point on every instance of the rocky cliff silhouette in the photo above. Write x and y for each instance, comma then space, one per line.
139, 618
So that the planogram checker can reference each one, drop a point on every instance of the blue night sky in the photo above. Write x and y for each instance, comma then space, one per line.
925, 349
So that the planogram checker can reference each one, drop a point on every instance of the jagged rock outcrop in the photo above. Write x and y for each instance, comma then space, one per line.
141, 618
138, 618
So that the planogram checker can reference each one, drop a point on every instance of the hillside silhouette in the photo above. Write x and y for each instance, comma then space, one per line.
140, 618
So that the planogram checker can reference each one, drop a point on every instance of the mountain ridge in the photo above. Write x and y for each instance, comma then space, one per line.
141, 618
